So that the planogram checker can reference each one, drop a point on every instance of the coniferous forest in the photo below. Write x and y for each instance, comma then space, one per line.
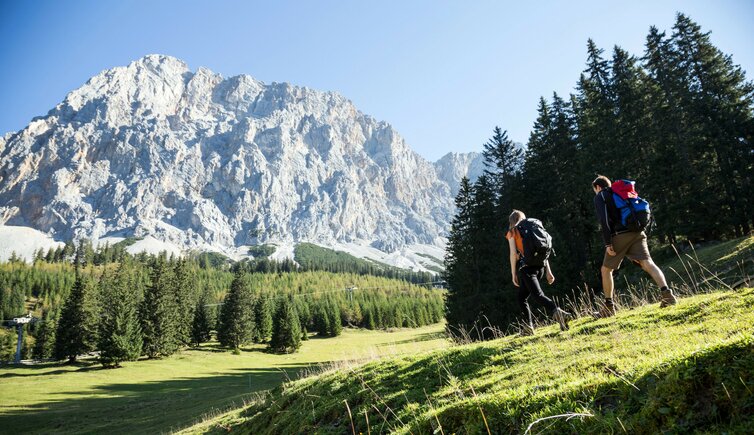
126, 306
678, 119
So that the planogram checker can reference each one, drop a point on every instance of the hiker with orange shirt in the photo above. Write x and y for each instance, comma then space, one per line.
530, 246
623, 216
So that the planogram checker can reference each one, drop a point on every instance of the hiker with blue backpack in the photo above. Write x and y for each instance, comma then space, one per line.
623, 217
530, 247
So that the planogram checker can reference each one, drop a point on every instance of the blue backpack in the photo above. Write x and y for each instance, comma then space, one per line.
634, 211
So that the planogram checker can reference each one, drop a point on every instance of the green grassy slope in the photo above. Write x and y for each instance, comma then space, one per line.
311, 254
153, 396
713, 265
732, 263
688, 367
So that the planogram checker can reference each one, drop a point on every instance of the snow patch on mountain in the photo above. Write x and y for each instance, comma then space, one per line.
24, 242
198, 161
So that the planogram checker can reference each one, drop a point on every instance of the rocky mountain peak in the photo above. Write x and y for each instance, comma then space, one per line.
208, 162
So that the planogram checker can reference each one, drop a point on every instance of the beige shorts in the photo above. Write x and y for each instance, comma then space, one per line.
631, 245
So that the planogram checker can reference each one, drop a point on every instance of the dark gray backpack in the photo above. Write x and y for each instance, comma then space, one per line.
537, 243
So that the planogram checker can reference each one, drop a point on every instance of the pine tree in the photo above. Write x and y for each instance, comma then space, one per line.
322, 319
596, 112
45, 338
286, 330
666, 127
186, 295
263, 318
120, 336
717, 101
333, 312
69, 250
552, 169
490, 248
203, 319
236, 320
458, 264
369, 321
58, 256
14, 258
77, 328
504, 161
632, 145
84, 253
39, 255
159, 311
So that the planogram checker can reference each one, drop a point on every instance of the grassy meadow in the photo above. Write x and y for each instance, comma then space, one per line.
647, 370
688, 367
152, 396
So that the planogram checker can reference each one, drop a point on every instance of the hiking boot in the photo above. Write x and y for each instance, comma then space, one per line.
667, 299
606, 310
562, 317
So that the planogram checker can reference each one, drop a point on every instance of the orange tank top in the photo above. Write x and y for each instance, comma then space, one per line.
516, 236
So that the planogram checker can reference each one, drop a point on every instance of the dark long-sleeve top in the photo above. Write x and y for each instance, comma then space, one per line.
604, 216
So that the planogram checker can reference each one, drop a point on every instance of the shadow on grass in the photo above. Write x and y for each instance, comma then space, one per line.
211, 347
217, 348
142, 407
427, 336
390, 384
37, 369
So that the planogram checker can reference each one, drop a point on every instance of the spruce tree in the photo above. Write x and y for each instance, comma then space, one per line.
236, 320
632, 143
458, 265
120, 336
596, 112
186, 296
159, 311
490, 247
263, 318
667, 127
333, 312
45, 337
39, 255
77, 328
369, 320
286, 330
69, 250
718, 102
203, 319
84, 253
503, 160
322, 319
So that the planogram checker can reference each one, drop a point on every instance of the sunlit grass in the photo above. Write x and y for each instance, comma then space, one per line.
159, 395
645, 370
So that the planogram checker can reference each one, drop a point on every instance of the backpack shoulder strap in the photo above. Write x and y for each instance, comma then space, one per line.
610, 207
516, 233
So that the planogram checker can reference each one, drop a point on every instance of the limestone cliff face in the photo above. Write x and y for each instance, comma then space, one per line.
196, 159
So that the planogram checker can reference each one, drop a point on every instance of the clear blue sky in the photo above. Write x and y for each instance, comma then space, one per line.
442, 73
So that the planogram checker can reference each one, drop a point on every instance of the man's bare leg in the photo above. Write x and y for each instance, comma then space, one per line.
651, 268
607, 282
608, 309
668, 298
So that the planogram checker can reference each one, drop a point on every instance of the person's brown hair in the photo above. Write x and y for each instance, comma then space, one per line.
515, 217
601, 181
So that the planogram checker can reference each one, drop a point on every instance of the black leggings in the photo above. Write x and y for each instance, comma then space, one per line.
528, 285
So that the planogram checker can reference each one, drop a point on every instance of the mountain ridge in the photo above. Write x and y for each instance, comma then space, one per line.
203, 161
